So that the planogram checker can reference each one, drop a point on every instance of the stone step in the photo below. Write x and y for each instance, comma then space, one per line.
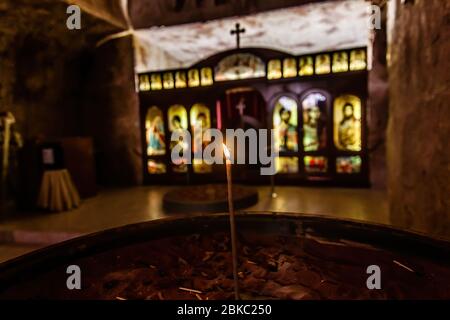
11, 251
33, 237
14, 243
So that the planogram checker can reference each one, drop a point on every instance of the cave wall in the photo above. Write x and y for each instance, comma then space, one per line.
419, 122
112, 114
40, 63
49, 76
378, 113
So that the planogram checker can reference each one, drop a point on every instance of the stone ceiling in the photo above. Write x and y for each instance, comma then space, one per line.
167, 36
296, 30
111, 11
148, 13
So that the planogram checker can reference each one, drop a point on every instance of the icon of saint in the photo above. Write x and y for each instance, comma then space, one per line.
348, 131
156, 141
287, 132
311, 129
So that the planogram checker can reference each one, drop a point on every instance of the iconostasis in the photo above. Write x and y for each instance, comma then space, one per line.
316, 105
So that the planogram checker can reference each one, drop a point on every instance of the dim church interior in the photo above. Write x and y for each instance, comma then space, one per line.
352, 143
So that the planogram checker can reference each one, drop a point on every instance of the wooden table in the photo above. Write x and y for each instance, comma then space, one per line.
58, 193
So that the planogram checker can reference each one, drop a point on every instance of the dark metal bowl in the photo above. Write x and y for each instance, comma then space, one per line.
26, 268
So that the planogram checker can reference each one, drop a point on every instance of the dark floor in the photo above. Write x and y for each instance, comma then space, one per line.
113, 208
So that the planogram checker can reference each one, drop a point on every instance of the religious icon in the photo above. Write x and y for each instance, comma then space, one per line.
193, 78
144, 83
51, 156
177, 123
48, 156
306, 66
289, 68
199, 128
285, 124
348, 165
286, 164
240, 66
201, 167
315, 164
168, 82
241, 107
340, 62
200, 122
156, 167
156, 83
274, 69
154, 125
358, 60
347, 127
180, 79
206, 76
314, 130
347, 123
323, 64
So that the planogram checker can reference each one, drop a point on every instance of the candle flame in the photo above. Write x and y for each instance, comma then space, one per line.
226, 151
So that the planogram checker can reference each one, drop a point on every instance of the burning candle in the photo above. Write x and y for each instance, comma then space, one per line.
273, 194
232, 222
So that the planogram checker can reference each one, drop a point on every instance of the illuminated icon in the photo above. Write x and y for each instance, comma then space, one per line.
323, 64
306, 66
156, 83
274, 69
168, 82
193, 78
206, 76
289, 68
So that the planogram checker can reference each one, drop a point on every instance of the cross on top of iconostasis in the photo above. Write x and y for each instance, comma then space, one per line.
237, 31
